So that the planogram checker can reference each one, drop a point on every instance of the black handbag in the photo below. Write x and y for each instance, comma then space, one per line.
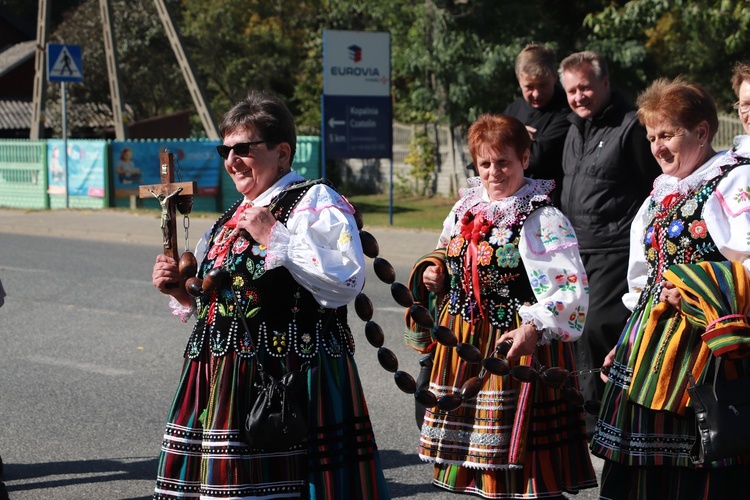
276, 420
722, 415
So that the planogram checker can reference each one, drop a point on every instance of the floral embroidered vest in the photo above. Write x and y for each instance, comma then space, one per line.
487, 276
283, 317
677, 234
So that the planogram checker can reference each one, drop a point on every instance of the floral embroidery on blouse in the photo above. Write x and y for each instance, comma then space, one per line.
539, 282
551, 232
554, 306
561, 335
345, 238
577, 318
567, 281
742, 195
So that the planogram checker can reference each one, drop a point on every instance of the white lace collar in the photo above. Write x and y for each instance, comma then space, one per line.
665, 185
505, 211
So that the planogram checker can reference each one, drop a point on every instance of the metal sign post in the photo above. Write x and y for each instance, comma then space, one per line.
65, 141
356, 103
64, 64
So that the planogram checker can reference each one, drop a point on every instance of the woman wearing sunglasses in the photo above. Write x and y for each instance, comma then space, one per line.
506, 272
698, 212
277, 271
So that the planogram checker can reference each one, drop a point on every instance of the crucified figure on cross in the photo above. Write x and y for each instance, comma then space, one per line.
170, 194
166, 216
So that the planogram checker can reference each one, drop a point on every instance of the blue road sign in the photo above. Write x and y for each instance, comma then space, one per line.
357, 126
64, 63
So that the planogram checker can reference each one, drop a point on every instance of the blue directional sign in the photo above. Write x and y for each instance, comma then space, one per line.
357, 127
64, 63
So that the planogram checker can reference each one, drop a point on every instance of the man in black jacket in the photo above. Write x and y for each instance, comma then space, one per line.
608, 171
543, 109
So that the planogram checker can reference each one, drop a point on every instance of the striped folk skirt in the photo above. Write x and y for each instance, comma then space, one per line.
515, 439
647, 452
203, 458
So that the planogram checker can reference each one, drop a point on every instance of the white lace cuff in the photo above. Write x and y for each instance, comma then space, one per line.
544, 335
179, 310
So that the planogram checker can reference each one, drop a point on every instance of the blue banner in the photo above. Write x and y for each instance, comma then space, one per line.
137, 162
86, 161
357, 127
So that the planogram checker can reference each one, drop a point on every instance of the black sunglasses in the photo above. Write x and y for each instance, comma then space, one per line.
240, 149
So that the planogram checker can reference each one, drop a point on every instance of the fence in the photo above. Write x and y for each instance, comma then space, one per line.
730, 127
453, 157
96, 174
450, 173
23, 174
25, 171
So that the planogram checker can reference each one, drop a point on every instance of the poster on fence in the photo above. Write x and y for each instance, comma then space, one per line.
137, 162
85, 162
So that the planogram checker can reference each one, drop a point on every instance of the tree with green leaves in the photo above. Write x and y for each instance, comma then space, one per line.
150, 79
700, 39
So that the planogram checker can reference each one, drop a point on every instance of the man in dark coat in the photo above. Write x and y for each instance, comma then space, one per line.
608, 171
543, 109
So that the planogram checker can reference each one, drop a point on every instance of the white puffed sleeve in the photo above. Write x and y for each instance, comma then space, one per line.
549, 250
637, 266
448, 225
727, 215
320, 247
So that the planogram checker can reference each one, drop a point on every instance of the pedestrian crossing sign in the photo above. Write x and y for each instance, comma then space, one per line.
64, 63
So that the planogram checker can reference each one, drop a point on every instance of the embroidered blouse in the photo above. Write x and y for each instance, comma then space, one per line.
319, 245
546, 246
726, 213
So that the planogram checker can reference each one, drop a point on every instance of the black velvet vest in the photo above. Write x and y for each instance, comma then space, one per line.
283, 317
677, 234
500, 276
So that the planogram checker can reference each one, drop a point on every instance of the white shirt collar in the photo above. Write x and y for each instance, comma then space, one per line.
266, 196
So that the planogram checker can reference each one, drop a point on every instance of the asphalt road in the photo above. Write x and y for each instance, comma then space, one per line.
89, 358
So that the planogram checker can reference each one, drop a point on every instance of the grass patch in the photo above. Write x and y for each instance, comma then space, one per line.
409, 212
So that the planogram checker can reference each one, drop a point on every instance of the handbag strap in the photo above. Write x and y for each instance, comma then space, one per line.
717, 362
717, 367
